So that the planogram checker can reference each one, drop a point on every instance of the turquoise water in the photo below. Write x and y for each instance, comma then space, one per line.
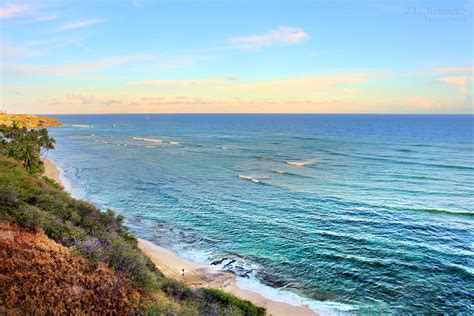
380, 219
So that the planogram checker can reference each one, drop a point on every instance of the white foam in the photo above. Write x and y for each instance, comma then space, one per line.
194, 255
81, 125
250, 178
64, 181
73, 191
285, 296
145, 139
301, 163
254, 285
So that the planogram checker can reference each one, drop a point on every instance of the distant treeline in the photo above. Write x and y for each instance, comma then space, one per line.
27, 120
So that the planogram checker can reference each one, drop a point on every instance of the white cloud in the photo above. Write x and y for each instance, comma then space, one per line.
282, 35
32, 70
14, 52
80, 24
457, 81
303, 85
450, 70
184, 83
45, 17
463, 83
11, 10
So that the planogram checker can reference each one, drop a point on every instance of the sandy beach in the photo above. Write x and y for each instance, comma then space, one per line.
198, 275
51, 171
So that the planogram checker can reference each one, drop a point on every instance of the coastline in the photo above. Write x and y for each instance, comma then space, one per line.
52, 171
199, 275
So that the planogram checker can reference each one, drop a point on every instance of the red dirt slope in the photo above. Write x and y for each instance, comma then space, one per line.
39, 276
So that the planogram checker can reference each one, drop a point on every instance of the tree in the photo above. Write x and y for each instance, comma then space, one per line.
26, 145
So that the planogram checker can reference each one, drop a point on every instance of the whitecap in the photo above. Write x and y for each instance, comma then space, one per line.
250, 178
153, 140
300, 163
81, 125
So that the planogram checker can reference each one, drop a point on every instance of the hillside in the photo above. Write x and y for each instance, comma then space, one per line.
57, 248
55, 280
27, 120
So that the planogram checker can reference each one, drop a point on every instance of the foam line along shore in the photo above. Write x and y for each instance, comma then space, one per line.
199, 275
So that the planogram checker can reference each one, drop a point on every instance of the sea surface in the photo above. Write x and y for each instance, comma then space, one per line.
379, 219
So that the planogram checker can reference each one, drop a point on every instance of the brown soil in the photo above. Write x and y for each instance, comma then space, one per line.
39, 276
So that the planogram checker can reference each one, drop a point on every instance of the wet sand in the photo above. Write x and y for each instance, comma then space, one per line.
51, 171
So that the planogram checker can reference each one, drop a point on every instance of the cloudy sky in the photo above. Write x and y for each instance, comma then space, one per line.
140, 56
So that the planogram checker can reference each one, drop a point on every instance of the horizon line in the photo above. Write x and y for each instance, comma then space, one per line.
246, 113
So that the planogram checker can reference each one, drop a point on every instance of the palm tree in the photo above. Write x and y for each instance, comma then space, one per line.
25, 145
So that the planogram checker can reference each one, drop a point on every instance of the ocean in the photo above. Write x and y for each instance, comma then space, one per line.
353, 214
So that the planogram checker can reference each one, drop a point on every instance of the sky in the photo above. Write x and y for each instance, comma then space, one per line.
219, 56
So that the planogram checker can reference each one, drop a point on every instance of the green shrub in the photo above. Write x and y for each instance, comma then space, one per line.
31, 218
177, 289
228, 300
126, 259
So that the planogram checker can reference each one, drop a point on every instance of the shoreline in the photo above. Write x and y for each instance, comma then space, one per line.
199, 275
52, 171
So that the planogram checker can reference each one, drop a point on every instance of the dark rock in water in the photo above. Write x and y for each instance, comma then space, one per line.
227, 265
218, 261
137, 219
240, 271
272, 279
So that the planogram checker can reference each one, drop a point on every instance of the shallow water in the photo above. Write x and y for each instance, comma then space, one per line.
380, 217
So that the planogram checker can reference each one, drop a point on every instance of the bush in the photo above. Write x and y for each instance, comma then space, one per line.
92, 249
228, 300
32, 218
177, 289
126, 259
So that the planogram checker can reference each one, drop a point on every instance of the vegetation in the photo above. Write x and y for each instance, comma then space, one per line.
25, 145
37, 203
27, 120
56, 281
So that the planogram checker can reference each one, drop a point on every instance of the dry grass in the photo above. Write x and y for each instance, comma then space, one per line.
39, 276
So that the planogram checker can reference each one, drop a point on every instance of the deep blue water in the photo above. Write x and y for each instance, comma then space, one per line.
381, 219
